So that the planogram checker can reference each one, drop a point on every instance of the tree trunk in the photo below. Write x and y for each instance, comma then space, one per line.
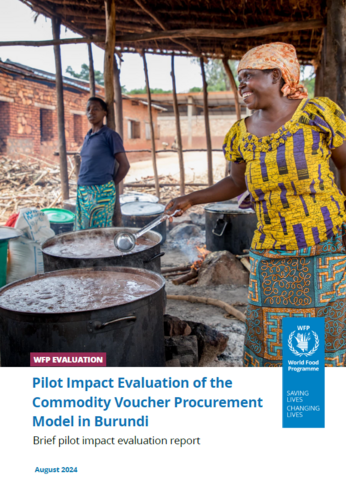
207, 126
177, 126
91, 72
60, 111
152, 133
109, 87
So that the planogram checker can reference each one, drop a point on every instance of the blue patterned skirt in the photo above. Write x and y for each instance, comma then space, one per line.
310, 282
95, 206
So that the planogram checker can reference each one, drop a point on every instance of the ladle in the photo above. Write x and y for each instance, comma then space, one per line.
125, 242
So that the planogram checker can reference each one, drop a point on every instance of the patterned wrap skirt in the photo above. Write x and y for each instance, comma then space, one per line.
310, 282
95, 206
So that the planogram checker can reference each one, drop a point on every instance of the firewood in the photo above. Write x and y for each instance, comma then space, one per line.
246, 263
20, 184
175, 269
185, 278
175, 274
192, 281
36, 181
210, 301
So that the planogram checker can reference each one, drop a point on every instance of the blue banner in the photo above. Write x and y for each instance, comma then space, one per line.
303, 372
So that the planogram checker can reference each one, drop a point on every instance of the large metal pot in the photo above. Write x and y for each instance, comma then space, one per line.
131, 334
139, 214
229, 227
148, 259
137, 197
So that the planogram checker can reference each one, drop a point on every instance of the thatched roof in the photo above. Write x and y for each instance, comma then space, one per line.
140, 24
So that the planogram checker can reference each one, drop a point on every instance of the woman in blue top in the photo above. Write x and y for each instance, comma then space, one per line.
102, 151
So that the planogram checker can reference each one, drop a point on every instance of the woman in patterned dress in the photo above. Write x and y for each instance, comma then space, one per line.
281, 154
101, 153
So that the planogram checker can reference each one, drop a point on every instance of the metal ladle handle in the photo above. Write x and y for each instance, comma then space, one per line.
154, 223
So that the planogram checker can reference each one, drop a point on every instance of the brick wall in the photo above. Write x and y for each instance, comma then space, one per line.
134, 111
219, 126
28, 118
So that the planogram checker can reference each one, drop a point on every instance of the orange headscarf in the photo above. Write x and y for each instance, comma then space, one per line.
277, 55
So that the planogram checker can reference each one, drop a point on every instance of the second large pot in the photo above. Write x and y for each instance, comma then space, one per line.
139, 214
229, 227
149, 259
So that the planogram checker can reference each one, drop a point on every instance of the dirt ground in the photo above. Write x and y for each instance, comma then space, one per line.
207, 314
167, 164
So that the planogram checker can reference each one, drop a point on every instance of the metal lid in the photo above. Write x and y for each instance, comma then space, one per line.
6, 233
227, 208
59, 215
137, 197
142, 209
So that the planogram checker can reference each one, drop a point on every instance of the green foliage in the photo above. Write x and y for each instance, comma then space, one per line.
195, 89
307, 76
216, 76
85, 73
137, 91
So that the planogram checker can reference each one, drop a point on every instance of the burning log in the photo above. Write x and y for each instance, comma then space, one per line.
191, 277
203, 252
210, 301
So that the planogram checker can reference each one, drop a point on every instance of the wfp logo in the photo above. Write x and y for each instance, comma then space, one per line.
305, 344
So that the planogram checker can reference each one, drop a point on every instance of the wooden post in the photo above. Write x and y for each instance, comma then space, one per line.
118, 99
189, 121
233, 86
77, 159
152, 133
333, 59
109, 86
91, 72
178, 130
60, 111
207, 126
331, 73
118, 108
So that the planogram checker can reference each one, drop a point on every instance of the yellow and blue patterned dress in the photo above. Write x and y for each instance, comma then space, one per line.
95, 206
298, 261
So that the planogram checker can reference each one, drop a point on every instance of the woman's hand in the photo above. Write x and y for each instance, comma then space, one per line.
226, 189
181, 203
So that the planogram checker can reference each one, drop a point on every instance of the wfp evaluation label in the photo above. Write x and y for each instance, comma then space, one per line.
303, 373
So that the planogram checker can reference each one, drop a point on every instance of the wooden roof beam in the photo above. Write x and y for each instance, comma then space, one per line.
225, 33
147, 10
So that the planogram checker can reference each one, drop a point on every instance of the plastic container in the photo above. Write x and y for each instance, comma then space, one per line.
3, 262
61, 221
